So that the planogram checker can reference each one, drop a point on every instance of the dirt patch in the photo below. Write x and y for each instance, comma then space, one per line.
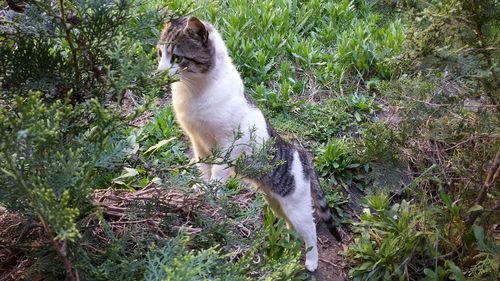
331, 266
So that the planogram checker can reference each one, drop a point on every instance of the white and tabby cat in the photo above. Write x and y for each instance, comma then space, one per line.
210, 104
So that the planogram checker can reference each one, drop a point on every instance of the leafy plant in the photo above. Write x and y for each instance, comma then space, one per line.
176, 262
487, 265
388, 241
400, 241
337, 163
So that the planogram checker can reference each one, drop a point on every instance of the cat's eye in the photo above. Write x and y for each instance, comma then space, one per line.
159, 53
176, 58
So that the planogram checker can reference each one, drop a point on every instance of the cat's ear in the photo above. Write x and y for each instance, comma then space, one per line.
195, 26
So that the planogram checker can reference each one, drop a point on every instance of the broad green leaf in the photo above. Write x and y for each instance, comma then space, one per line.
160, 144
365, 266
456, 272
479, 235
446, 198
474, 208
130, 172
357, 116
430, 274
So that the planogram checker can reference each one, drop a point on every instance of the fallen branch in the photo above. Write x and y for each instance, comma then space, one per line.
329, 262
491, 177
61, 248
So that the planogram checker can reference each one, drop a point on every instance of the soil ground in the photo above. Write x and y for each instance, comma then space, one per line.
330, 266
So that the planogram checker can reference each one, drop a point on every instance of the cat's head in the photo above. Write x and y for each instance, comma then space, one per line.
185, 47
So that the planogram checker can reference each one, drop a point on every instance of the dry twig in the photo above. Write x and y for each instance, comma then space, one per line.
489, 182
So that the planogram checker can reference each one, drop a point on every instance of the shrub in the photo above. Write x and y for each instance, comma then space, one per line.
47, 162
64, 67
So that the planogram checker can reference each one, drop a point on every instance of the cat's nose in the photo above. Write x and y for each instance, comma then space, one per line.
164, 64
171, 71
162, 67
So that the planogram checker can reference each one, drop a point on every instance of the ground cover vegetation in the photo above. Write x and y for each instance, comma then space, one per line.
397, 100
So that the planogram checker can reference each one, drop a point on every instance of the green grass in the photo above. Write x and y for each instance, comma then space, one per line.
286, 50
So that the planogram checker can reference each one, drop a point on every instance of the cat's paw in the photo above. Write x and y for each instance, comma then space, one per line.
312, 258
205, 187
197, 187
311, 265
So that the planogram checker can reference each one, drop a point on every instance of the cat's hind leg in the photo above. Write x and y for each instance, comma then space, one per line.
299, 212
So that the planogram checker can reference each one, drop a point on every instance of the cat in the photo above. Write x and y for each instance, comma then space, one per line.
210, 104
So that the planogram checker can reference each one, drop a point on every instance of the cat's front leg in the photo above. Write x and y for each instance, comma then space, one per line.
206, 171
200, 154
220, 173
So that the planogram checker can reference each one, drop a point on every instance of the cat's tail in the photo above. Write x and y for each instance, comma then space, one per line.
322, 206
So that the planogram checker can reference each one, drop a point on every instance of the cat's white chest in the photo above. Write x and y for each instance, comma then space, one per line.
208, 116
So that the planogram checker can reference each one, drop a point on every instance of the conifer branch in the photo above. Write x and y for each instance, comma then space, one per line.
76, 91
